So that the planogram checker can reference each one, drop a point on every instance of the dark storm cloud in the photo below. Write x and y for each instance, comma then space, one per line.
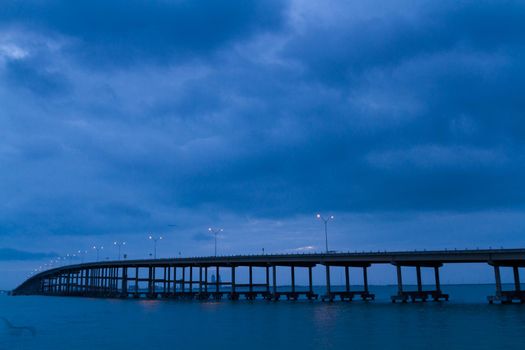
417, 109
338, 51
29, 76
7, 254
122, 31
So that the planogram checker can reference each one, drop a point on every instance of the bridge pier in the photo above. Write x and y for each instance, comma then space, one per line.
183, 280
203, 283
206, 280
347, 294
292, 294
164, 282
191, 281
507, 296
124, 282
150, 282
274, 296
420, 294
267, 268
218, 294
200, 280
328, 296
169, 281
233, 293
311, 295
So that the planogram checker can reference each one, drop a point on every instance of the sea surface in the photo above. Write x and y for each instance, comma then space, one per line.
465, 322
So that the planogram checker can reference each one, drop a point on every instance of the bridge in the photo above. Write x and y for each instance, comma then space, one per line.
188, 278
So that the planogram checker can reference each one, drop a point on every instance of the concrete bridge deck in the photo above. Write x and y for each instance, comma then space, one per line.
188, 277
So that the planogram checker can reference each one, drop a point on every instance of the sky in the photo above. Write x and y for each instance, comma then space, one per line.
125, 118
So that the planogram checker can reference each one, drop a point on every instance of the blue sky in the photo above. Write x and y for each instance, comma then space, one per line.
404, 119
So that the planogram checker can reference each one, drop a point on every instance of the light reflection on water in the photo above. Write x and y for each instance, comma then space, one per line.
467, 322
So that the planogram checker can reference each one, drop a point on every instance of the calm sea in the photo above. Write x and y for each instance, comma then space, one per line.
466, 322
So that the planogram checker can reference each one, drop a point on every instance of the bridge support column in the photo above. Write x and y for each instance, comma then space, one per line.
100, 278
183, 280
87, 280
310, 284
124, 282
175, 281
150, 282
507, 296
200, 279
86, 287
103, 279
293, 278
267, 268
418, 276
96, 280
206, 279
517, 284
251, 296
191, 281
169, 281
233, 294
106, 279
116, 273
111, 279
136, 282
436, 277
328, 296
68, 283
164, 281
347, 279
399, 279
75, 285
274, 279
365, 278
217, 283
498, 281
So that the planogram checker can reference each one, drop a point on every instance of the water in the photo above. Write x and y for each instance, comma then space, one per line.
466, 322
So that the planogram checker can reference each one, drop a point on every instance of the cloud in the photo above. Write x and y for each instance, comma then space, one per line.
120, 32
438, 157
7, 254
27, 75
256, 110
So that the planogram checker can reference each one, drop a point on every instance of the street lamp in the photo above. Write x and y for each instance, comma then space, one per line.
215, 231
155, 239
325, 220
98, 249
119, 245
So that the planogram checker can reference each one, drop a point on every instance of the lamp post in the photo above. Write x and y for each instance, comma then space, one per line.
119, 245
325, 220
98, 249
81, 253
215, 231
155, 239
70, 257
